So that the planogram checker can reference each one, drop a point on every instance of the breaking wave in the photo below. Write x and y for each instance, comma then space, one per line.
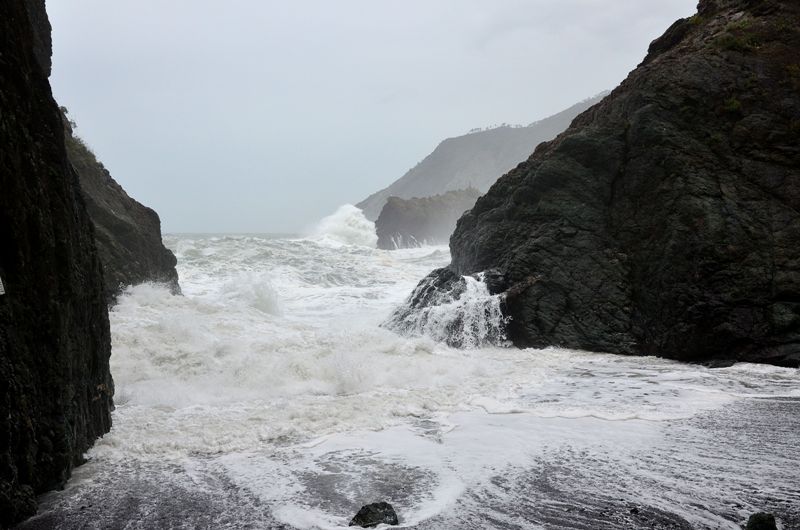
272, 380
464, 314
348, 226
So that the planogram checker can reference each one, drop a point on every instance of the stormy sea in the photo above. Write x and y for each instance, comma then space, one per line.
276, 393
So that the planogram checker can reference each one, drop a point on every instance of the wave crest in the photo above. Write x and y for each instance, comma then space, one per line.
348, 226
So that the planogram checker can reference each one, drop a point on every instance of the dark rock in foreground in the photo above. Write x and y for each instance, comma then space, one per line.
761, 521
55, 386
128, 233
665, 220
409, 223
375, 514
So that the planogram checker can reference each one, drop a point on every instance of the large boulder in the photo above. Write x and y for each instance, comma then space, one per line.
761, 521
55, 386
372, 515
665, 220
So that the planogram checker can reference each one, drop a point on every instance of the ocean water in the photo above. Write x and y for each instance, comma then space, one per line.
270, 395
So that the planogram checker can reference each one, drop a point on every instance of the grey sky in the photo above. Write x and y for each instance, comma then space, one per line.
263, 116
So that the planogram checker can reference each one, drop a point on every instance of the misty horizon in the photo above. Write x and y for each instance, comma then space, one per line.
267, 118
457, 264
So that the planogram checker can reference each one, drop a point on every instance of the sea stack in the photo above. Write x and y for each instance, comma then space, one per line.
55, 386
665, 220
410, 223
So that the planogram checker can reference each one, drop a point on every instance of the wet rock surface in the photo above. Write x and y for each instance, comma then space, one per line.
462, 311
662, 485
374, 514
55, 385
410, 223
664, 221
150, 501
761, 521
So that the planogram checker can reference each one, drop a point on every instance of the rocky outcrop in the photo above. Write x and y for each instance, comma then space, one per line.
409, 223
665, 220
55, 385
372, 515
462, 311
761, 521
128, 233
475, 160
42, 35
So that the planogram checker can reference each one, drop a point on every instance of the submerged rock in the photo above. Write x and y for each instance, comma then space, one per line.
410, 223
761, 521
375, 514
55, 385
665, 220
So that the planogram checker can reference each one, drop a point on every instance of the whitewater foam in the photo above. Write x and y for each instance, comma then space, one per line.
348, 226
273, 377
466, 315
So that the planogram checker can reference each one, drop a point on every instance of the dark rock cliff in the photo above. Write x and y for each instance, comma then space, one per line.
474, 160
665, 220
55, 385
408, 223
42, 35
128, 233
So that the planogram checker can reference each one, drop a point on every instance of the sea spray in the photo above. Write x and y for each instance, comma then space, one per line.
409, 241
251, 290
399, 241
461, 312
347, 225
229, 415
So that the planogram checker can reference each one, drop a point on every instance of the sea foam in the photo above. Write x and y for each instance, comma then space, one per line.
273, 376
348, 226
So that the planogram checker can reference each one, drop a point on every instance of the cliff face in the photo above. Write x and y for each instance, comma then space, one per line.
474, 160
665, 220
55, 385
408, 223
128, 234
42, 38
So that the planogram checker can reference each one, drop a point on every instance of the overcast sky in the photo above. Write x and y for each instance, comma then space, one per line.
263, 116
